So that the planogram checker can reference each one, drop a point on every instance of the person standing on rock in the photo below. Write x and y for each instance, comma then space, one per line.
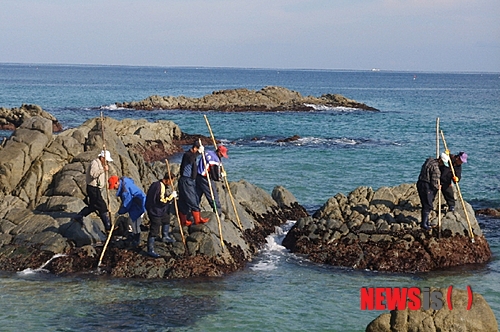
447, 178
133, 202
428, 185
96, 180
214, 170
189, 203
158, 203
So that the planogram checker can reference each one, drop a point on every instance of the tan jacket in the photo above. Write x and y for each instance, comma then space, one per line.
95, 175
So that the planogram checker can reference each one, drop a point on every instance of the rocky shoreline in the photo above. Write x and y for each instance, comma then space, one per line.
268, 99
42, 186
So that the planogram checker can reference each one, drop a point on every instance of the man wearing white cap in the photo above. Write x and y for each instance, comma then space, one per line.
447, 178
96, 180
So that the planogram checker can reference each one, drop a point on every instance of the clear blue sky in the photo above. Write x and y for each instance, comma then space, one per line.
413, 35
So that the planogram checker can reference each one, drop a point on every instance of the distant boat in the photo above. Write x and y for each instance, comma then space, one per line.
375, 69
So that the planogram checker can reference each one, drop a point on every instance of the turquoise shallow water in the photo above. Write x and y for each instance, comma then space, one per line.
339, 150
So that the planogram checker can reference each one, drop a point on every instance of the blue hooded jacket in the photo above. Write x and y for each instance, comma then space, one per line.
133, 199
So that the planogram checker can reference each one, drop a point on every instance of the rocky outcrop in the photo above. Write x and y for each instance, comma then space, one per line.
379, 230
480, 317
42, 186
270, 98
12, 118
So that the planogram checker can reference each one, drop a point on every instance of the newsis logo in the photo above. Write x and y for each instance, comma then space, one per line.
413, 298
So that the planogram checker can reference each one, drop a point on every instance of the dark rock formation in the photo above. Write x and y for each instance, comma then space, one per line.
480, 317
12, 118
42, 186
270, 98
380, 231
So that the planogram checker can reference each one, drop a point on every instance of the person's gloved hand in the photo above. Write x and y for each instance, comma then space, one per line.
223, 174
201, 149
173, 195
455, 179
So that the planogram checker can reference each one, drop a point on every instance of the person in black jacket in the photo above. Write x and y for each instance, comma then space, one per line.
189, 202
447, 178
158, 203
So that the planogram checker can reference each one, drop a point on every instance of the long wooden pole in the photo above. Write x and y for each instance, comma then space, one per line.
225, 177
471, 233
110, 234
212, 196
175, 204
439, 182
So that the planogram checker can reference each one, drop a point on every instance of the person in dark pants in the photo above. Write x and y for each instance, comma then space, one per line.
213, 163
96, 180
189, 203
428, 185
158, 202
133, 201
447, 178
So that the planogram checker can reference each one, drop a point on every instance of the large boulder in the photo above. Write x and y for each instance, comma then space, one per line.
478, 318
380, 230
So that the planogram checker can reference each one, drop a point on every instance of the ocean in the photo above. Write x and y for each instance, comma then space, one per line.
339, 150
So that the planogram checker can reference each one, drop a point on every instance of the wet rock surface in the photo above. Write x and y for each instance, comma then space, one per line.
379, 230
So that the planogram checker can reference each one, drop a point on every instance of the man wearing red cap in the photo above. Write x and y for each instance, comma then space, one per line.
214, 170
133, 202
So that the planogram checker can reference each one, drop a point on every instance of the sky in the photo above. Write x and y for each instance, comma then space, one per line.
407, 35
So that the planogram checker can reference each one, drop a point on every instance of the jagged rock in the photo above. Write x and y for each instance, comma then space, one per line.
380, 231
480, 317
46, 187
12, 118
269, 98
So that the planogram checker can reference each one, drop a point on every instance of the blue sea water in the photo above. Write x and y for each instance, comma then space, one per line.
339, 150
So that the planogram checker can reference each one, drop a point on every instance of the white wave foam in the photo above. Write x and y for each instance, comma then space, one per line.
273, 252
330, 108
113, 107
41, 269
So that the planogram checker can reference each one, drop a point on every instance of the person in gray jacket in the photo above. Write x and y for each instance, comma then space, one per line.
428, 185
96, 180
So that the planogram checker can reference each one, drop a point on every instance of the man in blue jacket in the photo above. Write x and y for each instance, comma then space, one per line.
214, 170
133, 202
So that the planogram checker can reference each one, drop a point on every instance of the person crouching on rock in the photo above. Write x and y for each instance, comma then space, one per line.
214, 170
96, 180
133, 202
189, 202
428, 185
158, 204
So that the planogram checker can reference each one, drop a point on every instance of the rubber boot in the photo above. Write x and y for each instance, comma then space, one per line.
184, 221
136, 240
198, 219
151, 248
425, 221
165, 237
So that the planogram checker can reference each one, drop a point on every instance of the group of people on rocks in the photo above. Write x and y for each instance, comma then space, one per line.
437, 175
195, 173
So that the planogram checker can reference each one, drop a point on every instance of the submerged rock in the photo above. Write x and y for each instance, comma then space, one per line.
379, 230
